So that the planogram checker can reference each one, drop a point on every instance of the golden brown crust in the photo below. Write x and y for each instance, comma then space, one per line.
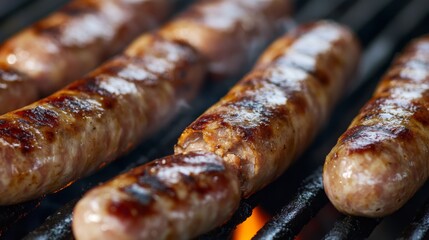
175, 197
381, 160
268, 118
78, 37
56, 140
229, 34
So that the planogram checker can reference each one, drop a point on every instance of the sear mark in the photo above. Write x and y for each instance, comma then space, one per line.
12, 133
127, 210
40, 116
363, 138
77, 106
91, 86
141, 194
153, 182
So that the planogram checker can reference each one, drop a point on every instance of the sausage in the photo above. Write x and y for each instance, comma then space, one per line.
255, 131
56, 140
125, 100
74, 40
169, 190
233, 40
269, 118
16, 89
380, 162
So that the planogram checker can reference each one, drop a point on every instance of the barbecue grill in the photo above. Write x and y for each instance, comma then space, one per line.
297, 197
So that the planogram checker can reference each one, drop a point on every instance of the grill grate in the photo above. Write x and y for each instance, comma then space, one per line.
419, 227
309, 199
383, 26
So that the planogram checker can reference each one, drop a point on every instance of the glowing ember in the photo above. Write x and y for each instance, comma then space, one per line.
250, 227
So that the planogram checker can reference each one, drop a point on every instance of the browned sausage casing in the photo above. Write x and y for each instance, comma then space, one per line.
63, 137
268, 119
74, 40
382, 159
176, 197
230, 33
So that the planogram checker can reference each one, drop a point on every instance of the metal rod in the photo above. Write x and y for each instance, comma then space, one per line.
419, 227
58, 226
309, 199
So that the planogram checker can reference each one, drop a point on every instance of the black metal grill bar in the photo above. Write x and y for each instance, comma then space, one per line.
313, 10
12, 214
309, 199
9, 6
27, 14
354, 17
58, 225
419, 227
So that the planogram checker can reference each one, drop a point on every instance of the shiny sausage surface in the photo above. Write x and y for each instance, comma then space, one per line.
74, 40
230, 33
175, 197
269, 118
382, 159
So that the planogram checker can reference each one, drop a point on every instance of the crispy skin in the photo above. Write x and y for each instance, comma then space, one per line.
230, 33
89, 123
175, 197
268, 118
76, 39
382, 159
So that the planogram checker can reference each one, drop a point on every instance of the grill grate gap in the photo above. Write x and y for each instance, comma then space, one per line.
314, 9
28, 13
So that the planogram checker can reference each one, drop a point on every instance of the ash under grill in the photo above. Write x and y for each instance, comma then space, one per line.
383, 26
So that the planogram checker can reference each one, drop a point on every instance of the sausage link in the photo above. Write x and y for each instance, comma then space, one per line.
77, 38
382, 159
89, 123
176, 197
269, 118
236, 38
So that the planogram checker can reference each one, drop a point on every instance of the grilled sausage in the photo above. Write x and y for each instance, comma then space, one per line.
255, 131
382, 158
74, 40
268, 119
230, 33
180, 193
52, 142
41, 147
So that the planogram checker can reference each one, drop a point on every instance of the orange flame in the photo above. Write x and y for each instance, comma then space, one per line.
251, 226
